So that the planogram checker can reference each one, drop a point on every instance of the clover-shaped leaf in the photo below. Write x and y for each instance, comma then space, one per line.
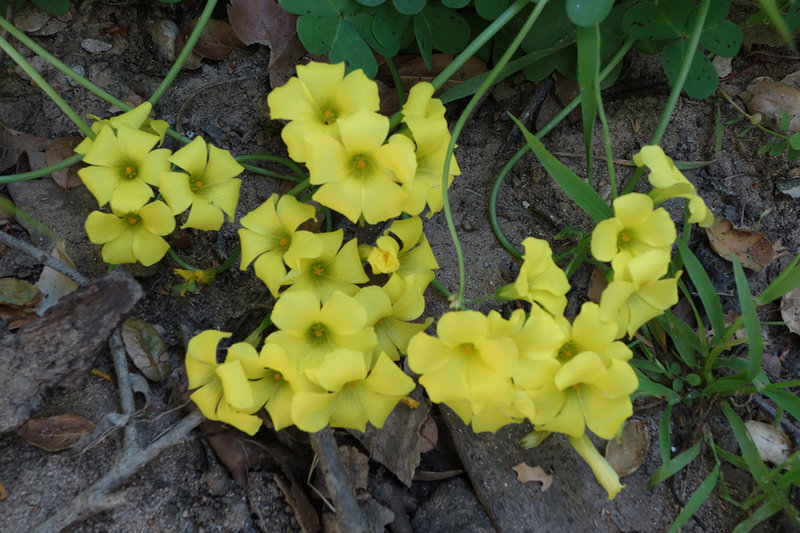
588, 13
702, 80
409, 7
723, 38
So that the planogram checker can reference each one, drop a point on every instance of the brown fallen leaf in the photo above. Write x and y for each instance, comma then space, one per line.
413, 70
216, 42
54, 284
753, 250
146, 348
18, 145
266, 22
428, 435
597, 284
526, 473
296, 497
58, 150
790, 310
771, 98
237, 452
627, 454
772, 444
18, 300
56, 433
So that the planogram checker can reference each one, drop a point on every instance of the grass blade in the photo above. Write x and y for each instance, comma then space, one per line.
705, 289
675, 465
588, 72
700, 495
751, 324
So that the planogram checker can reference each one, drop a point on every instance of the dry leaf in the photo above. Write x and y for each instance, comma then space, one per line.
790, 310
772, 444
526, 473
428, 435
54, 284
216, 42
597, 284
57, 151
356, 464
266, 22
146, 348
296, 497
414, 70
18, 293
56, 433
771, 98
753, 250
236, 451
627, 454
16, 145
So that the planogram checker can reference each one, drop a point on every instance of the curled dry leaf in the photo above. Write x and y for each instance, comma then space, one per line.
17, 300
753, 250
216, 42
54, 434
597, 284
790, 310
54, 284
17, 145
526, 473
57, 151
146, 348
771, 98
627, 454
772, 444
413, 70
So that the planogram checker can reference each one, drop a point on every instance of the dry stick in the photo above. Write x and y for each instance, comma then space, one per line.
339, 486
43, 257
96, 498
131, 443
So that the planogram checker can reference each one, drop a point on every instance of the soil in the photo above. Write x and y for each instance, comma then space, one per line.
187, 488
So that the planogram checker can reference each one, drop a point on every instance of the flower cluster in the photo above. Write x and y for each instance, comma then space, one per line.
331, 358
124, 167
564, 377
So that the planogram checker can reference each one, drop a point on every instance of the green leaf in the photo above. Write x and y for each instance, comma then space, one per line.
779, 148
764, 148
746, 446
490, 9
589, 13
664, 445
424, 35
409, 7
767, 509
774, 13
717, 11
455, 4
681, 335
649, 22
693, 379
786, 281
550, 28
700, 495
54, 7
388, 27
310, 7
370, 3
648, 387
317, 32
675, 465
787, 400
752, 325
723, 39
794, 140
349, 46
702, 80
785, 121
449, 31
705, 289
793, 17
588, 71
581, 193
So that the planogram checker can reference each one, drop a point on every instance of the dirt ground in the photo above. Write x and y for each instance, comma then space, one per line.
187, 489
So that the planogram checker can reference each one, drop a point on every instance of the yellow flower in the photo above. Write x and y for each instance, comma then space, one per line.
603, 471
355, 395
467, 366
635, 228
332, 269
359, 174
316, 99
130, 236
230, 391
123, 166
669, 182
308, 331
136, 118
431, 140
412, 256
208, 185
421, 104
270, 238
638, 293
282, 382
594, 378
540, 280
390, 310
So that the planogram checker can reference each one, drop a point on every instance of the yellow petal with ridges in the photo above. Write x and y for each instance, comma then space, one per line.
236, 388
247, 423
192, 157
120, 250
204, 216
343, 314
130, 195
147, 248
104, 227
604, 239
221, 166
356, 92
581, 368
458, 327
296, 311
175, 188
603, 471
157, 218
605, 416
311, 411
292, 101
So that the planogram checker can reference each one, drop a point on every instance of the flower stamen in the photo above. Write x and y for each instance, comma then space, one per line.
359, 161
329, 116
317, 269
130, 172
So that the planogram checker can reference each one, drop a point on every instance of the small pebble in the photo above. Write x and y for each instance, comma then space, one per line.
526, 204
80, 70
94, 46
789, 187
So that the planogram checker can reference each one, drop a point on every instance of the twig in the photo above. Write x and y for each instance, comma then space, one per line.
97, 498
131, 443
42, 257
339, 486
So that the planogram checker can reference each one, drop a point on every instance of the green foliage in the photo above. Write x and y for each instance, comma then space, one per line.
54, 7
663, 28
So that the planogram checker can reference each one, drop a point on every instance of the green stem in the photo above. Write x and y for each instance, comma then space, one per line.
46, 87
398, 82
498, 183
234, 255
441, 288
180, 262
300, 187
601, 113
184, 55
270, 174
462, 120
288, 163
33, 174
677, 87
47, 56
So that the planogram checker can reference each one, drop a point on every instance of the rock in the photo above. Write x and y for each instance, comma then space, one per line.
163, 33
93, 46
789, 187
30, 19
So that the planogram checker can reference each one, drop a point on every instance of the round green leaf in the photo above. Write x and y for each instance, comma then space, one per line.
308, 7
409, 7
723, 39
490, 9
317, 32
675, 368
449, 30
677, 385
794, 141
717, 11
370, 3
702, 80
455, 4
649, 22
588, 12
693, 380
388, 27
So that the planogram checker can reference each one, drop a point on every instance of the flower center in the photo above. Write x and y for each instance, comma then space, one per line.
317, 269
317, 330
328, 116
132, 218
130, 172
623, 239
276, 376
566, 352
359, 161
284, 241
468, 348
195, 184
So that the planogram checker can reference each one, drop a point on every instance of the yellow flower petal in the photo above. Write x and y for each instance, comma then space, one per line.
236, 388
104, 227
603, 471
